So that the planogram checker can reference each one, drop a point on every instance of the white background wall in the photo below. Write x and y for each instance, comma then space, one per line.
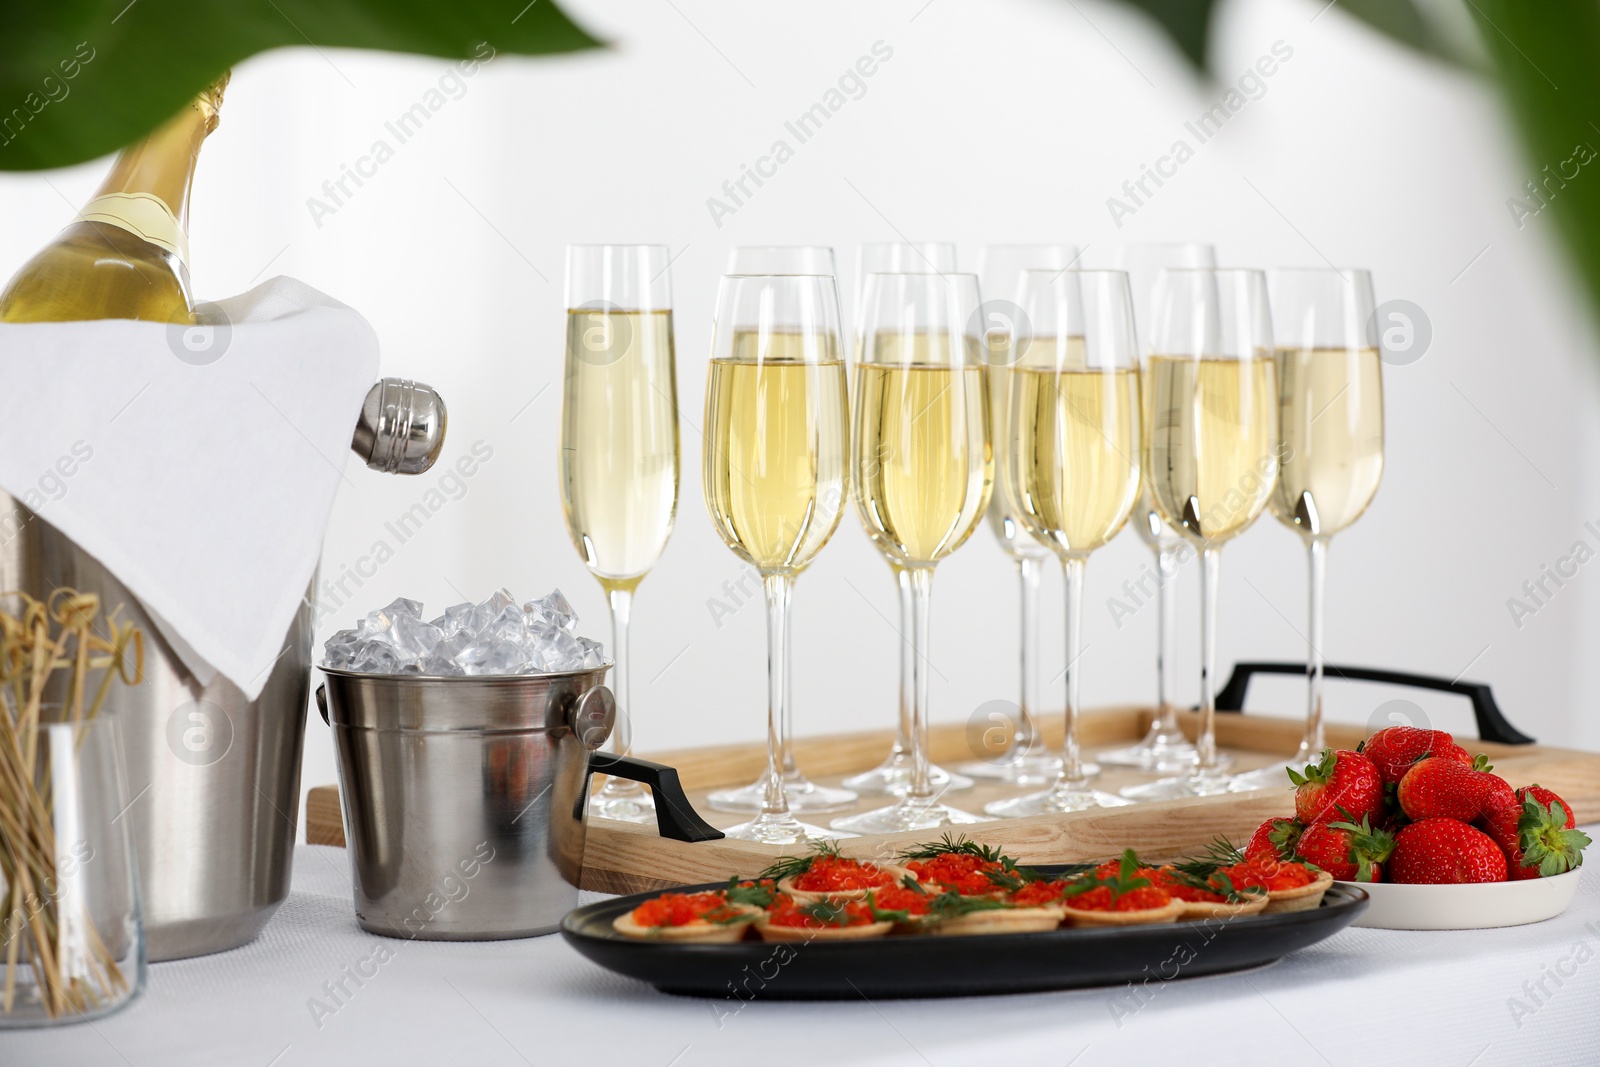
1010, 121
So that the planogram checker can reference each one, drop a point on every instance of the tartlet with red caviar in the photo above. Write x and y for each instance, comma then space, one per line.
1119, 897
826, 875
717, 916
961, 866
787, 919
1288, 885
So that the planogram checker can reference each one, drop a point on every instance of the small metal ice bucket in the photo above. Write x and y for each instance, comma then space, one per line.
464, 798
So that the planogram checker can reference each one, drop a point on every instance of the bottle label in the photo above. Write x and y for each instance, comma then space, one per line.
143, 215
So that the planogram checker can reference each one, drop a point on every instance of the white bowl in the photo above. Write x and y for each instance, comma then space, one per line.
1478, 906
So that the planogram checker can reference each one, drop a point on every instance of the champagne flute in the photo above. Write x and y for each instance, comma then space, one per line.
776, 458
1029, 760
1211, 451
1164, 749
1330, 415
619, 450
893, 775
922, 473
1072, 465
802, 794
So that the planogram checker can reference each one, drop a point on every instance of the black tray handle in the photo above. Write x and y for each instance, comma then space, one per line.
1492, 724
676, 818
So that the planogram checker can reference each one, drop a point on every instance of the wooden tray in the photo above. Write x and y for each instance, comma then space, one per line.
628, 858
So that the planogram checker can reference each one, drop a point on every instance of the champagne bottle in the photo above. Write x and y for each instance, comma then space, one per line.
126, 254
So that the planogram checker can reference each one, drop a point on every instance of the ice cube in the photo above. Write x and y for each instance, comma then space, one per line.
413, 639
550, 612
491, 609
455, 618
594, 653
340, 649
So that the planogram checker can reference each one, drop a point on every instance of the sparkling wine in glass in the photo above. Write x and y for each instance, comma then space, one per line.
922, 473
776, 468
619, 450
1072, 464
1330, 415
893, 775
1211, 451
1164, 749
1028, 761
802, 794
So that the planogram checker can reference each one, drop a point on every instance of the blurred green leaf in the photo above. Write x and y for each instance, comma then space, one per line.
1546, 58
134, 64
1188, 24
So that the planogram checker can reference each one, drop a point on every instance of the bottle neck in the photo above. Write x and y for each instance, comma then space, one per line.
162, 165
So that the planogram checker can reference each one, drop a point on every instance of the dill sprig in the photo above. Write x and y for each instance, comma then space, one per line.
951, 845
753, 893
794, 866
1218, 854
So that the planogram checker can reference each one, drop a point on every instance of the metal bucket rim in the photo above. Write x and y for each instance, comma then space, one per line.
491, 679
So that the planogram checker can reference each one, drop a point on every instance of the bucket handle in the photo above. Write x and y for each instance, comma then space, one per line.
676, 818
322, 702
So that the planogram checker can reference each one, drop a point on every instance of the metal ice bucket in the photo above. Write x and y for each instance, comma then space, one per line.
464, 798
214, 778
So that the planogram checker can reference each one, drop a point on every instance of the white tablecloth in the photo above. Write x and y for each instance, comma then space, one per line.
1364, 997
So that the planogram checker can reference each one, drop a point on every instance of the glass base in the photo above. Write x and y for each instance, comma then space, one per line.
1034, 768
802, 794
1211, 784
1073, 796
1272, 776
1161, 751
777, 829
906, 815
893, 776
624, 801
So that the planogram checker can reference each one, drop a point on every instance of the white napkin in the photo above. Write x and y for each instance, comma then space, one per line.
199, 464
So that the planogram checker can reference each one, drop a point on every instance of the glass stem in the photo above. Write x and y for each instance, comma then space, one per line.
919, 581
902, 737
786, 763
777, 587
1313, 742
1168, 557
621, 602
1072, 775
1029, 570
1210, 570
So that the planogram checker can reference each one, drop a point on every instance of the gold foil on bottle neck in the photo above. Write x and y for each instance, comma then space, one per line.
209, 102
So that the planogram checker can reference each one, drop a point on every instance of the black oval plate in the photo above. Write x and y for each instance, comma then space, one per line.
953, 966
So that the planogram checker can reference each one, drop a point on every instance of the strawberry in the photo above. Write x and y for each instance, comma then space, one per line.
1395, 748
1441, 851
1497, 791
1275, 839
1341, 784
1500, 819
1548, 797
1440, 788
1346, 850
1547, 836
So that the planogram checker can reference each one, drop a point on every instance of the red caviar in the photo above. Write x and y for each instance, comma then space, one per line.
1166, 879
833, 874
958, 871
1038, 894
681, 909
785, 912
1099, 899
1269, 874
899, 898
